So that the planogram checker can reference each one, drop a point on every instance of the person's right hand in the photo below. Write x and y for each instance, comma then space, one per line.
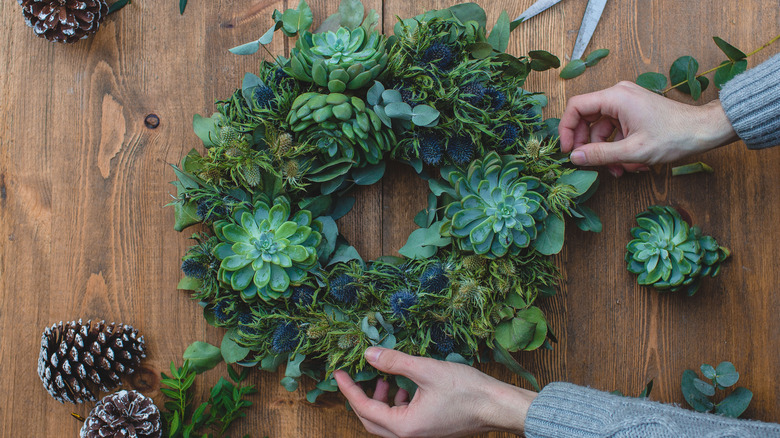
648, 128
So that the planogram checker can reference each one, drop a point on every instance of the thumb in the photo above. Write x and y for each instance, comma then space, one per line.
602, 153
395, 362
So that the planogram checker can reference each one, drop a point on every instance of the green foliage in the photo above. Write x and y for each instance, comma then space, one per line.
684, 75
698, 393
644, 394
691, 168
668, 254
576, 67
227, 403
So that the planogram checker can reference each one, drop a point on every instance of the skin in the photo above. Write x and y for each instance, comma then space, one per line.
626, 128
648, 129
452, 399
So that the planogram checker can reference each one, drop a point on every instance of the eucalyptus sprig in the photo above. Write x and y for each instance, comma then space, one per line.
698, 393
683, 72
227, 403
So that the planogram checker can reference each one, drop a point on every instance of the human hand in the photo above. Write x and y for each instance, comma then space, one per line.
451, 400
648, 128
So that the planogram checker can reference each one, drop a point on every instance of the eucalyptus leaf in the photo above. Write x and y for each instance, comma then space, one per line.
693, 396
683, 70
231, 351
655, 82
581, 180
289, 383
399, 110
205, 128
374, 94
502, 356
248, 48
708, 371
182, 6
733, 53
595, 56
351, 13
330, 24
735, 403
727, 71
542, 60
704, 387
515, 334
365, 176
480, 50
424, 115
371, 21
189, 283
590, 220
345, 253
343, 206
726, 375
574, 68
185, 215
550, 239
499, 35
119, 4
469, 12
202, 356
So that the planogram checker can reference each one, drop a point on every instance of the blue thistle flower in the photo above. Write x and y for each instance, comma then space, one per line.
223, 310
460, 149
434, 279
285, 338
342, 289
440, 55
401, 302
443, 343
497, 98
508, 135
207, 212
279, 75
431, 149
245, 321
264, 97
303, 295
194, 268
473, 93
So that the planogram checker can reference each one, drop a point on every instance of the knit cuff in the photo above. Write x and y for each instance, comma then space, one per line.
752, 103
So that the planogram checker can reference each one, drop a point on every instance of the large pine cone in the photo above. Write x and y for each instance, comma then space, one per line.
75, 356
64, 21
123, 414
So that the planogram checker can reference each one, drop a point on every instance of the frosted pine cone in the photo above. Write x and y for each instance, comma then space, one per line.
64, 21
123, 414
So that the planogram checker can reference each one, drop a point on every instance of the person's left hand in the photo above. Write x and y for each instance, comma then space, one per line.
451, 400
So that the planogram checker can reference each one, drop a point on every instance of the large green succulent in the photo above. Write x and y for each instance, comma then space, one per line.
341, 127
668, 254
496, 210
263, 250
341, 60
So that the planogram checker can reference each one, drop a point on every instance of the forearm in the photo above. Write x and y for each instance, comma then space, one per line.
507, 409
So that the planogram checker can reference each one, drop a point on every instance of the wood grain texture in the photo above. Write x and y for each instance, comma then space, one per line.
84, 233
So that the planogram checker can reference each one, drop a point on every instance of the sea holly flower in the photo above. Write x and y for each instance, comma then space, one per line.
265, 249
341, 60
497, 211
668, 254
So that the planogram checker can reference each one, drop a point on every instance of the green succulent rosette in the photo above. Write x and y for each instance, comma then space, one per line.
341, 60
668, 254
498, 211
341, 126
263, 250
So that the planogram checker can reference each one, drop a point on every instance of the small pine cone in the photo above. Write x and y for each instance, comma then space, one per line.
123, 414
64, 21
75, 358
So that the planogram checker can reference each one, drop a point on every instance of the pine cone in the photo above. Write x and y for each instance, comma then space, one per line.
123, 414
75, 358
64, 21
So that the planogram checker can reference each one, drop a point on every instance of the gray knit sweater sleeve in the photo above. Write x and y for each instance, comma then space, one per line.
752, 104
563, 410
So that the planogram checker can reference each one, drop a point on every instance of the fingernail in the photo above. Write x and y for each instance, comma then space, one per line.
372, 354
578, 157
613, 172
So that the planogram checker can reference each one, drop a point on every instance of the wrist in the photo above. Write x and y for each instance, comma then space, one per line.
507, 408
715, 128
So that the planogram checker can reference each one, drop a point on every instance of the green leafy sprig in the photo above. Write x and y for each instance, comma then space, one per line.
227, 403
684, 76
699, 393
576, 67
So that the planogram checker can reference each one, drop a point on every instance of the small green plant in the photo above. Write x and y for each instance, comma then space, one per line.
227, 403
698, 393
576, 67
683, 72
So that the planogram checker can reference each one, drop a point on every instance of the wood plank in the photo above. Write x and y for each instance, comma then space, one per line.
84, 232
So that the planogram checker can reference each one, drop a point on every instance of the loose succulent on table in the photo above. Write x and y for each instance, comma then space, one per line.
123, 414
264, 249
284, 151
77, 358
668, 254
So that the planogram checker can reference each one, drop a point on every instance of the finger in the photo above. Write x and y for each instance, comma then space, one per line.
401, 398
382, 390
581, 134
603, 153
376, 429
395, 362
586, 107
365, 407
635, 167
601, 130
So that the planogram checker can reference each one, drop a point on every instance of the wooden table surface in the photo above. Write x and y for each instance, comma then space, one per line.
85, 235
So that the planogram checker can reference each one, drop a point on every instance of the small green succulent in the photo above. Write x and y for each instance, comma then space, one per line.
496, 210
668, 254
341, 60
263, 250
341, 127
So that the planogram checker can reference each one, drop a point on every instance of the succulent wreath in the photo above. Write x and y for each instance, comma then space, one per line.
284, 150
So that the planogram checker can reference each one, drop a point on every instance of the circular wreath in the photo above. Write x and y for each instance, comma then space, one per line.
283, 152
